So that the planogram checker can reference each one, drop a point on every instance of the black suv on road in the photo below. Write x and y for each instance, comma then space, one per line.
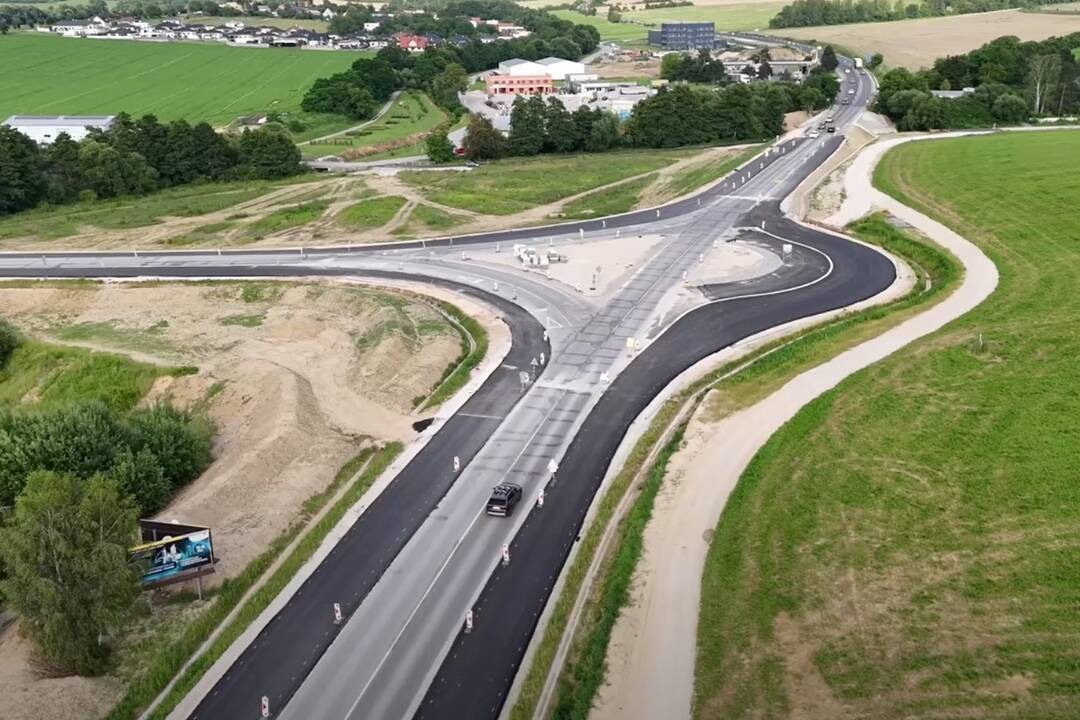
503, 499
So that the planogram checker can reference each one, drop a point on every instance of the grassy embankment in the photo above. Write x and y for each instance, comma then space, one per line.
405, 124
516, 185
163, 663
50, 223
733, 386
42, 376
907, 545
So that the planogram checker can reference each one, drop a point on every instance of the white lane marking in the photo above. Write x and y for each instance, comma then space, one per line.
442, 568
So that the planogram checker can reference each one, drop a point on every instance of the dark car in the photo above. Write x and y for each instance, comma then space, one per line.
504, 497
831, 128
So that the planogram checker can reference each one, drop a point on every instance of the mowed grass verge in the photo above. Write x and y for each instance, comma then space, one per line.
908, 545
50, 75
515, 185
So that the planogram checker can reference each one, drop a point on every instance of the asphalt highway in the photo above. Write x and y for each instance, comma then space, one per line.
481, 665
418, 555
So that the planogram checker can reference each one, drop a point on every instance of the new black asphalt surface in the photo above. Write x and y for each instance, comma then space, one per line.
477, 674
287, 649
802, 266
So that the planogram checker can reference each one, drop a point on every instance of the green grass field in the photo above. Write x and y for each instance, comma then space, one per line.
49, 75
609, 201
370, 214
908, 545
412, 113
748, 16
607, 30
511, 186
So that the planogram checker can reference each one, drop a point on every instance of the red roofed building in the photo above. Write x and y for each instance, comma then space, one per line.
411, 43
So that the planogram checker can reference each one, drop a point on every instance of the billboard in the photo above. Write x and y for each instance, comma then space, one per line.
172, 557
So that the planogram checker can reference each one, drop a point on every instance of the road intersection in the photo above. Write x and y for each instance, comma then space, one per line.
423, 554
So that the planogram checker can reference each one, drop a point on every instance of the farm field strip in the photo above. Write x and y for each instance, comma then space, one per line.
917, 43
48, 75
742, 16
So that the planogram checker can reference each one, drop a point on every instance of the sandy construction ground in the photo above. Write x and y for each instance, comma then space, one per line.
916, 44
296, 377
594, 268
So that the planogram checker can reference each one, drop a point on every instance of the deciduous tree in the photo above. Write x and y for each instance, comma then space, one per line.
65, 552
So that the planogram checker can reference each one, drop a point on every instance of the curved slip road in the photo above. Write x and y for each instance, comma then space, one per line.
475, 678
290, 647
655, 677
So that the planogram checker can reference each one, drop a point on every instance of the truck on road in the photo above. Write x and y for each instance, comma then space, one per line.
858, 63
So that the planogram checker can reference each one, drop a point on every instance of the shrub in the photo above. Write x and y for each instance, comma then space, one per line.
9, 340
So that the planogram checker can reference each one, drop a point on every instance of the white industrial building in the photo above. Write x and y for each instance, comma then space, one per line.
555, 68
44, 129
518, 67
558, 68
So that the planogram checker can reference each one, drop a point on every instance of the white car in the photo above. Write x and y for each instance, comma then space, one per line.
850, 92
813, 134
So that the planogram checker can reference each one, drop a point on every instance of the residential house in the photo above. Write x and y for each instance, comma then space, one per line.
411, 43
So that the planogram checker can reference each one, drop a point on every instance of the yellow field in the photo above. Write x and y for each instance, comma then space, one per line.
917, 43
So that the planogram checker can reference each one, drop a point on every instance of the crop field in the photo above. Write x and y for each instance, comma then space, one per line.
49, 75
916, 44
733, 16
908, 545
608, 30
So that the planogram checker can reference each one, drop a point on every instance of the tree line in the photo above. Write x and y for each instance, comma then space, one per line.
682, 114
807, 13
1012, 81
135, 157
73, 482
443, 72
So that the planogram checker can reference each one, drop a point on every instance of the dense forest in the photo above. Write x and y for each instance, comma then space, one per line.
1012, 81
135, 157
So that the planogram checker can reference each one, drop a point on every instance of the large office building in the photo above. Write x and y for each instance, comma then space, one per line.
684, 36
